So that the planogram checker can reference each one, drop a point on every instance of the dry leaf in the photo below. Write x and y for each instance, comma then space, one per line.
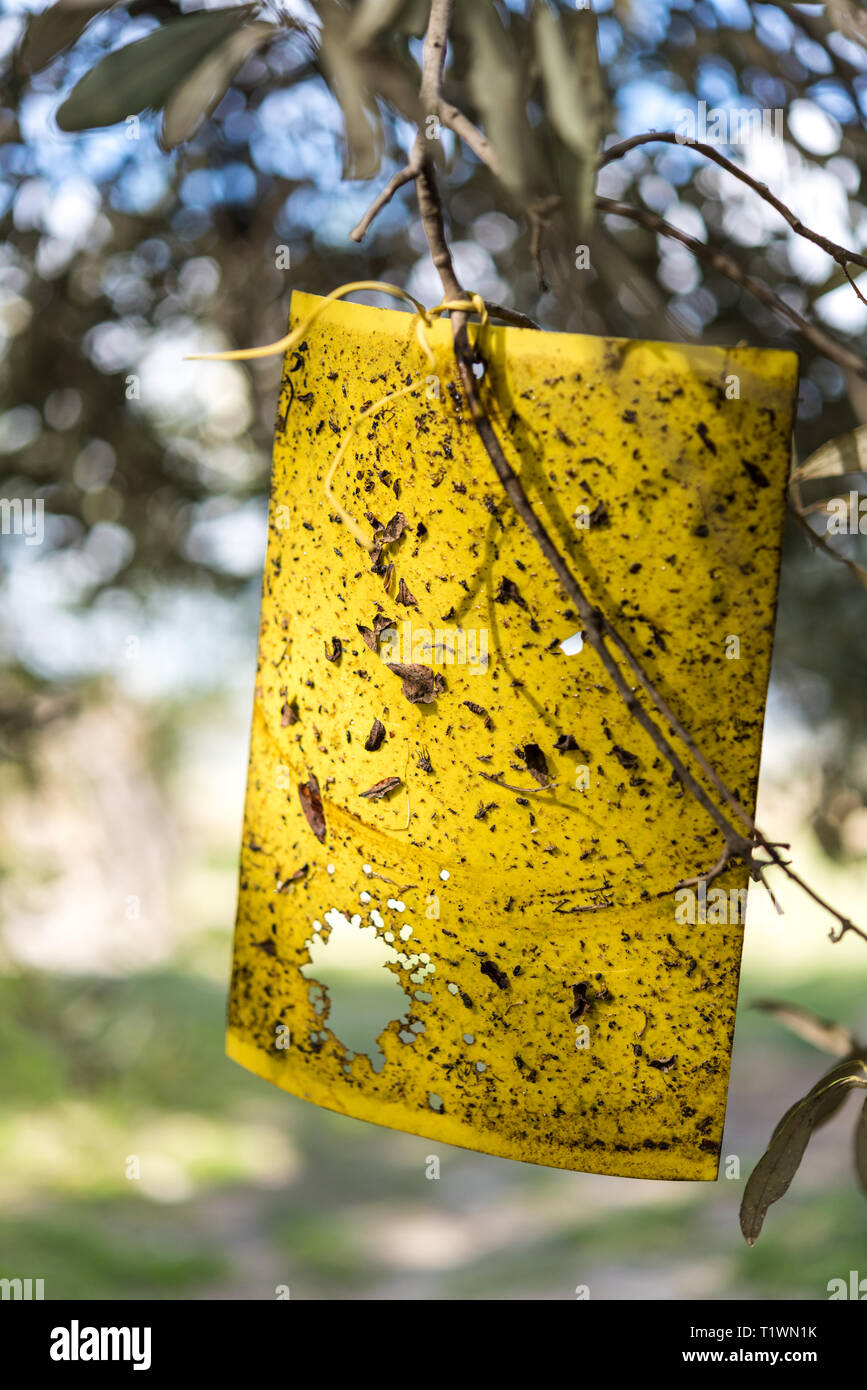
421, 685
375, 737
536, 763
311, 805
383, 788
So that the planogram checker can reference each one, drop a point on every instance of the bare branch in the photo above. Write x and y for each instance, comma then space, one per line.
838, 253
720, 261
510, 316
403, 176
454, 119
737, 844
539, 213
674, 723
434, 57
430, 100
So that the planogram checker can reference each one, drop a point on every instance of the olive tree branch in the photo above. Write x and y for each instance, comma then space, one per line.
838, 253
403, 176
738, 845
820, 542
599, 631
430, 99
727, 266
452, 117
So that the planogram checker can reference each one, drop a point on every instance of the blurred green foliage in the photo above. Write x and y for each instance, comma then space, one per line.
351, 1214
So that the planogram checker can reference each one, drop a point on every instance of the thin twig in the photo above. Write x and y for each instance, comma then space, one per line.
720, 261
685, 737
539, 213
737, 844
432, 219
430, 98
452, 117
434, 58
430, 209
669, 137
511, 316
823, 544
403, 176
597, 627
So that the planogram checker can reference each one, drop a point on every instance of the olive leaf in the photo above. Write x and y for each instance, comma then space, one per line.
574, 94
413, 18
861, 1147
497, 85
197, 95
837, 458
57, 28
345, 74
141, 76
829, 1102
829, 1037
771, 1178
832, 1089
311, 804
395, 82
370, 17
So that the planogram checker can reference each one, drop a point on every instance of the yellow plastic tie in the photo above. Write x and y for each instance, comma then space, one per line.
473, 304
297, 334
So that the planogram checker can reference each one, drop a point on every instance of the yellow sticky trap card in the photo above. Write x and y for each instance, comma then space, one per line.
459, 909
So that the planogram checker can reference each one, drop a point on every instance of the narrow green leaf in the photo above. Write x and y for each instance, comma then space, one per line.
828, 1037
140, 76
49, 33
197, 96
832, 1090
861, 1147
497, 84
574, 95
773, 1174
566, 100
346, 77
852, 1070
370, 17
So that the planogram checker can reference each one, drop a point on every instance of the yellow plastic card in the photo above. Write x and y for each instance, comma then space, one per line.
443, 782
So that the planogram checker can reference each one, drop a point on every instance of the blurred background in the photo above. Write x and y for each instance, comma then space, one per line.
135, 1160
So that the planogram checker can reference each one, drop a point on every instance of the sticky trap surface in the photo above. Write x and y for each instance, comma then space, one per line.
536, 996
